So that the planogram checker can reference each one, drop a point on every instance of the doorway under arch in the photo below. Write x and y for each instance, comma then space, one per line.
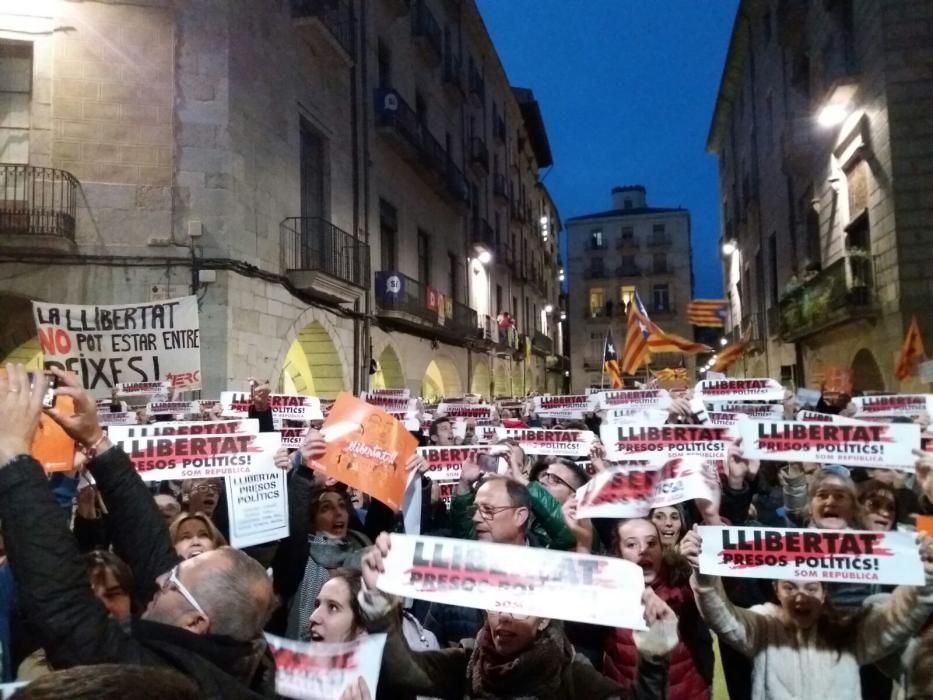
866, 374
389, 374
480, 383
500, 379
312, 365
441, 379
19, 341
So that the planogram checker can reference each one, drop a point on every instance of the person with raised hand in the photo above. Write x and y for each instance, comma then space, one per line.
203, 617
802, 648
513, 655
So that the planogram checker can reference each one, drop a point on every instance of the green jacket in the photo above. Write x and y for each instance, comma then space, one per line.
545, 529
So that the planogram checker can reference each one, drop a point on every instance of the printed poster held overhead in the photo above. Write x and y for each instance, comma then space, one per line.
713, 391
109, 345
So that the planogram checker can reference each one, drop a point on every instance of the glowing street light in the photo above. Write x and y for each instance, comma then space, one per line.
485, 257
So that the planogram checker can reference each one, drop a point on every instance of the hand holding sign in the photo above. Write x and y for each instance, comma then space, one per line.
924, 469
739, 469
83, 425
357, 691
581, 528
372, 563
313, 447
690, 547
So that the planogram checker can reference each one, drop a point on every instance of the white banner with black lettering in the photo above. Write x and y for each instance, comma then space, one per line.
556, 443
108, 345
257, 505
521, 580
236, 404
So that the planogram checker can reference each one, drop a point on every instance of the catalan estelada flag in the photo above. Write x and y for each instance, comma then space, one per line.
911, 351
637, 331
710, 313
731, 353
662, 341
611, 361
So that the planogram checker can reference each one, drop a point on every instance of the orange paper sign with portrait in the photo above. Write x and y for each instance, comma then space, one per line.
51, 446
367, 449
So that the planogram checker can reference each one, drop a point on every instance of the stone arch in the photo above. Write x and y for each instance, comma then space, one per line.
389, 375
500, 379
442, 379
866, 374
312, 365
480, 382
19, 341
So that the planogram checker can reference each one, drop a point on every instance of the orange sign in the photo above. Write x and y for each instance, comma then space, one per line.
838, 380
51, 447
925, 524
367, 449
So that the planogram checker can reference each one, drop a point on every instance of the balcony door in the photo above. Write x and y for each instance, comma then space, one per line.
313, 247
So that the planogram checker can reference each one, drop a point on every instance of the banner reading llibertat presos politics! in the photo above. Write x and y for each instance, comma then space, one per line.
521, 580
887, 558
109, 345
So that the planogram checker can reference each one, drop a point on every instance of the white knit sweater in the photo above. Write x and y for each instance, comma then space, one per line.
794, 664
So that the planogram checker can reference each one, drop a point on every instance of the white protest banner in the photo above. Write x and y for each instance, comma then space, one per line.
510, 578
164, 408
622, 492
377, 394
105, 404
752, 410
568, 407
292, 437
814, 417
257, 506
659, 444
144, 391
107, 345
158, 457
634, 399
720, 390
236, 404
222, 427
908, 405
870, 445
465, 410
648, 416
557, 443
811, 555
725, 417
394, 404
121, 418
925, 371
323, 671
484, 431
445, 463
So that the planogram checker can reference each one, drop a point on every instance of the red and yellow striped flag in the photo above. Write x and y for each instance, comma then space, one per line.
638, 329
731, 353
911, 351
710, 313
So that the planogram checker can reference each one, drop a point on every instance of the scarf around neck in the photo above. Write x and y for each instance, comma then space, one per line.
535, 673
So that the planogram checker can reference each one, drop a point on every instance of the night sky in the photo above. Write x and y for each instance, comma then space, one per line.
626, 89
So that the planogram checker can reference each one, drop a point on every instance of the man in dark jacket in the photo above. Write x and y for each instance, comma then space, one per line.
204, 616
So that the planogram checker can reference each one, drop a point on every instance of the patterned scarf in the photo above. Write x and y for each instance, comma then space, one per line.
324, 555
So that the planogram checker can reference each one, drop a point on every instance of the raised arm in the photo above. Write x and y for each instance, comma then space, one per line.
889, 626
140, 536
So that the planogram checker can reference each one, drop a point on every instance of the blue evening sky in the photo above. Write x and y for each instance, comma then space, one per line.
626, 89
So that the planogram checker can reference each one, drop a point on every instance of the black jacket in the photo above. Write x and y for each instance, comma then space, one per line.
52, 582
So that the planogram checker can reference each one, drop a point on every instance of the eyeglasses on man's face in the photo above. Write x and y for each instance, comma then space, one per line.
173, 583
488, 512
554, 480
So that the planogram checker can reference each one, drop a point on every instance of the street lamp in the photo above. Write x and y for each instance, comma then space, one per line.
549, 308
485, 257
723, 342
838, 105
728, 247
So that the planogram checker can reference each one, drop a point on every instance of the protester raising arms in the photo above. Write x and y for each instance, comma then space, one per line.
204, 617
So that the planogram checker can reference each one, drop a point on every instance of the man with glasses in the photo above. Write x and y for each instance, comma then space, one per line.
205, 615
560, 476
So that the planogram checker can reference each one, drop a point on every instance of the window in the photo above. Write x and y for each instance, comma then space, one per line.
597, 301
388, 236
312, 154
628, 234
596, 267
772, 259
626, 296
424, 258
596, 238
628, 265
515, 310
384, 65
421, 109
659, 263
662, 297
15, 99
499, 307
857, 188
627, 204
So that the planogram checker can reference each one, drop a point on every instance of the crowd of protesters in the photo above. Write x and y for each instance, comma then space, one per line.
122, 589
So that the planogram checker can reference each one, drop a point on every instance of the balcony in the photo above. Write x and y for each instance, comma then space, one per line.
499, 129
595, 272
517, 211
500, 188
427, 33
37, 208
659, 240
507, 341
841, 293
659, 267
324, 260
453, 76
327, 22
477, 85
408, 304
542, 344
479, 156
596, 245
797, 145
503, 252
400, 125
627, 244
628, 271
483, 234
519, 269
397, 8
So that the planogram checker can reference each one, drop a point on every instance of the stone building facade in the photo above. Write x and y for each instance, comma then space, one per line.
281, 159
822, 132
610, 255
